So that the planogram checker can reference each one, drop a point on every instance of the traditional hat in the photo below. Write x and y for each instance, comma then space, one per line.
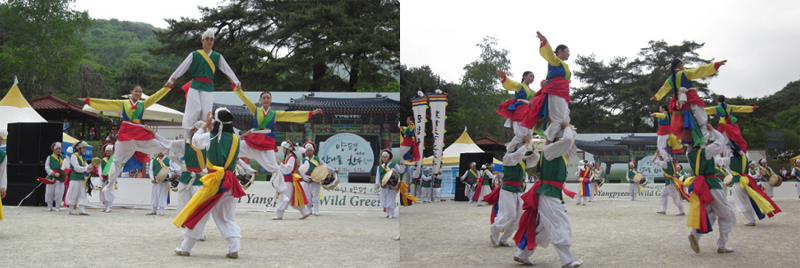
287, 145
208, 34
80, 144
483, 166
762, 161
309, 146
55, 145
797, 160
108, 147
387, 153
3, 134
583, 162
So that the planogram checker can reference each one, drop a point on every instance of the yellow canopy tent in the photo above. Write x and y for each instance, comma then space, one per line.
15, 109
452, 154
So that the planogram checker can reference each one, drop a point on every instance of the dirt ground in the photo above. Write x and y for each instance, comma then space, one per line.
607, 233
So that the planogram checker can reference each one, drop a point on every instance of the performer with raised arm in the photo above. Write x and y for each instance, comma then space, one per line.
202, 64
311, 162
544, 220
133, 135
76, 194
388, 192
727, 122
550, 104
707, 202
514, 110
220, 190
469, 179
54, 188
409, 148
259, 143
667, 141
292, 193
507, 196
693, 116
673, 187
751, 201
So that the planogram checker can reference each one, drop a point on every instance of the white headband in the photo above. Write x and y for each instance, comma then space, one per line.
3, 133
56, 145
208, 34
287, 145
309, 147
110, 148
81, 144
384, 154
199, 124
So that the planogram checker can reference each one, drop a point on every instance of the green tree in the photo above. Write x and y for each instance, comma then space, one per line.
423, 78
39, 44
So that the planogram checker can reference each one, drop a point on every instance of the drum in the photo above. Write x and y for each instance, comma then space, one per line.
61, 175
775, 180
728, 180
642, 180
331, 181
390, 179
96, 162
597, 180
162, 175
174, 180
638, 178
319, 174
245, 179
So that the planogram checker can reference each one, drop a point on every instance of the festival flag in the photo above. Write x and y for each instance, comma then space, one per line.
419, 106
438, 105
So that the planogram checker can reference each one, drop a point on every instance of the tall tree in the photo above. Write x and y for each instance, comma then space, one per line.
39, 44
423, 78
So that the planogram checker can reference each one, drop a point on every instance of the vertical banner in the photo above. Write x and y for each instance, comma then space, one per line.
419, 107
438, 104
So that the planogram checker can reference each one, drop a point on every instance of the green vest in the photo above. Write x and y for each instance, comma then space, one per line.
707, 168
191, 158
2, 156
555, 170
513, 173
437, 181
767, 170
76, 176
669, 171
200, 68
486, 179
157, 166
738, 165
472, 177
427, 184
55, 164
631, 173
312, 164
218, 151
385, 169
796, 174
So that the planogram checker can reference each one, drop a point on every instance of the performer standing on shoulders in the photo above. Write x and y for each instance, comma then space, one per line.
409, 148
220, 187
707, 201
544, 220
727, 122
514, 110
294, 193
509, 204
673, 187
388, 194
667, 141
310, 162
76, 194
469, 179
550, 104
202, 64
686, 100
133, 135
54, 188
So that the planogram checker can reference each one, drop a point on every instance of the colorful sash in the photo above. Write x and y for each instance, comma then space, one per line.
526, 232
406, 199
762, 204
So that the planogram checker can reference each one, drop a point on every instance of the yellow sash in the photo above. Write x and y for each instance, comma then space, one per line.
208, 60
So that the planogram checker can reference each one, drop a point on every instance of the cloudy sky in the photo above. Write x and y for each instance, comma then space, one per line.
150, 11
760, 39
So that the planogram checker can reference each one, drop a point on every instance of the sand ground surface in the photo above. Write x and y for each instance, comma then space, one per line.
606, 233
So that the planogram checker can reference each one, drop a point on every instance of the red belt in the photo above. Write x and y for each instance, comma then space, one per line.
513, 183
194, 169
203, 79
560, 185
288, 178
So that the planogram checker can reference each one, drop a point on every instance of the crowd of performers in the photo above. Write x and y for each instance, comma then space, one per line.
536, 215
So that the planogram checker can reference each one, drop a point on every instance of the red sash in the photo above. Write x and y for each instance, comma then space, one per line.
229, 183
515, 115
133, 132
557, 86
527, 223
261, 142
478, 187
734, 134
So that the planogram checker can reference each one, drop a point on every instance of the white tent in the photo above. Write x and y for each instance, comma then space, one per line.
452, 154
155, 112
15, 109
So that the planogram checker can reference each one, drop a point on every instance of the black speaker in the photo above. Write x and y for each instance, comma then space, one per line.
22, 181
29, 143
463, 166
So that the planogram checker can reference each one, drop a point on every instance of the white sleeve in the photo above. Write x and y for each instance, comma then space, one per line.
3, 174
226, 69
150, 169
400, 169
661, 163
793, 169
532, 160
201, 139
628, 175
77, 168
182, 68
465, 175
174, 167
288, 167
47, 166
717, 147
511, 159
560, 147
378, 175
246, 166
326, 165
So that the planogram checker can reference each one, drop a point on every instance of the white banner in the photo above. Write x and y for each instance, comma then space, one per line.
419, 107
347, 152
438, 104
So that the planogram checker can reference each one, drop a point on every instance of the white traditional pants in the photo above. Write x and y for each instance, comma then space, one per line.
123, 151
387, 196
184, 196
743, 204
198, 104
224, 213
667, 192
520, 132
719, 208
284, 203
552, 228
661, 144
469, 192
485, 190
558, 111
76, 195
108, 197
437, 194
509, 210
265, 158
767, 188
312, 193
633, 189
158, 196
701, 117
54, 192
592, 191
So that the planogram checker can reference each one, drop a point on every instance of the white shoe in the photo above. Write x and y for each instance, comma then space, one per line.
316, 213
391, 217
107, 210
50, 209
57, 209
573, 264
